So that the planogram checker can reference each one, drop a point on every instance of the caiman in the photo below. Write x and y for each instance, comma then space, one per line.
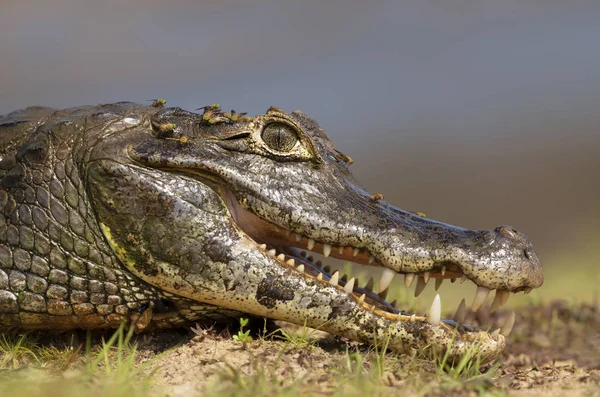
160, 217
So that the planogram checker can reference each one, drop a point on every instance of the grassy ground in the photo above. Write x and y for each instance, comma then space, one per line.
555, 348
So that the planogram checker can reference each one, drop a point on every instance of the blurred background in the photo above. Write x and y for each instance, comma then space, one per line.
477, 113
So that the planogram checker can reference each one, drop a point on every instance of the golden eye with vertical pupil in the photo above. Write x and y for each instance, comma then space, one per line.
279, 137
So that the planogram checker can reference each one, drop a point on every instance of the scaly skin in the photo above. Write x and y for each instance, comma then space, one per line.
157, 217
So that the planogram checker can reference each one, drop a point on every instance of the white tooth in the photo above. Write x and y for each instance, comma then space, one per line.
435, 312
272, 252
326, 250
262, 247
508, 325
495, 333
443, 270
386, 278
362, 298
420, 286
341, 250
461, 312
527, 291
408, 279
349, 287
438, 283
413, 318
300, 268
371, 259
291, 262
480, 294
320, 276
334, 278
281, 257
499, 300
311, 244
298, 237
463, 279
426, 277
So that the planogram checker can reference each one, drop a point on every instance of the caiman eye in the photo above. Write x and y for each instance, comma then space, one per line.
279, 137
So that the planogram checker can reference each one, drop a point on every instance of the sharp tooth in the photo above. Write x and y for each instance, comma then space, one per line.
300, 268
461, 312
341, 250
463, 278
298, 237
443, 270
383, 294
452, 280
362, 298
420, 286
334, 278
408, 279
262, 247
369, 286
394, 304
508, 325
426, 277
499, 300
311, 244
281, 257
526, 291
349, 286
355, 252
386, 278
320, 276
272, 252
438, 283
435, 312
326, 250
480, 295
413, 318
291, 262
495, 333
371, 259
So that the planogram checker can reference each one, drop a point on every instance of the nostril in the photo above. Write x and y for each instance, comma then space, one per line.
507, 231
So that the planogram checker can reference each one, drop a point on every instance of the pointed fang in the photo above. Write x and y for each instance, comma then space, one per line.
300, 268
311, 244
326, 250
500, 299
420, 286
334, 278
408, 279
480, 295
438, 283
435, 312
386, 279
349, 287
508, 325
461, 312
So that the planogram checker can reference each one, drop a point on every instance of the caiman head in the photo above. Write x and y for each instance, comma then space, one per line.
220, 208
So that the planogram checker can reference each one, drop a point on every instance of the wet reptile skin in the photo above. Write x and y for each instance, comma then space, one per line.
154, 217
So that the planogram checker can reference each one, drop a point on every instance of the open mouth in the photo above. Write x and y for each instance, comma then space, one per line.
294, 250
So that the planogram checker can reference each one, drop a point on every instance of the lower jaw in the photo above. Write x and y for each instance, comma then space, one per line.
376, 303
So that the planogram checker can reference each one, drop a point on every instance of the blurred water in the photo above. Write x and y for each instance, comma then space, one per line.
478, 113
